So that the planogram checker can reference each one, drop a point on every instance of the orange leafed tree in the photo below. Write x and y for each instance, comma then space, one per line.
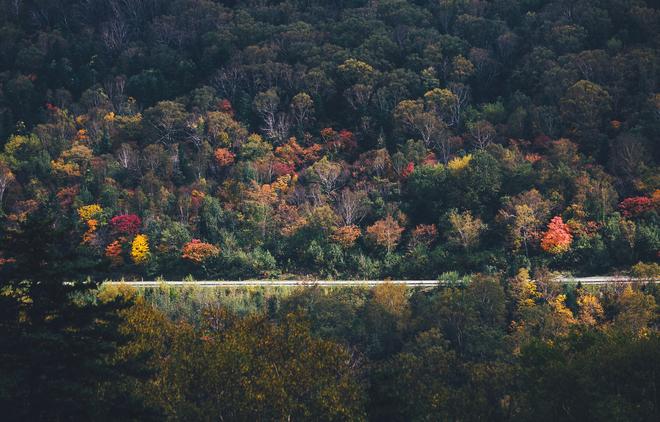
113, 252
198, 251
386, 232
346, 235
424, 234
557, 239
90, 234
224, 157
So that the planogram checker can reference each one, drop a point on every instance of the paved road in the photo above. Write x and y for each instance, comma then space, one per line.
309, 283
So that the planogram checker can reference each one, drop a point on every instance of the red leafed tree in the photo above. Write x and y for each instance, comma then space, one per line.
337, 141
631, 207
557, 239
408, 170
226, 107
198, 251
126, 224
224, 157
280, 168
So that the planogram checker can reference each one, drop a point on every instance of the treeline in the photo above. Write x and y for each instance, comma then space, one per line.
336, 139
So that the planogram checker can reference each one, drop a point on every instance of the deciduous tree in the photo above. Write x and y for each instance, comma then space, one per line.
386, 232
140, 249
557, 238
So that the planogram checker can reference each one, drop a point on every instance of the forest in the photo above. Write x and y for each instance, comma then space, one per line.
487, 143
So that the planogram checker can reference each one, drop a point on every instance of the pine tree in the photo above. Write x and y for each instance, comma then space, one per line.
57, 345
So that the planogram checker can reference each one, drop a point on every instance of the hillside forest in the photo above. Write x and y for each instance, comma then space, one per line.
490, 144
354, 139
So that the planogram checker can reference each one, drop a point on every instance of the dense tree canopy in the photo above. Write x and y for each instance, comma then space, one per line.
298, 137
356, 139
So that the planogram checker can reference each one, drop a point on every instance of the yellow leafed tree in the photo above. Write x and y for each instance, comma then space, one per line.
87, 212
140, 249
459, 163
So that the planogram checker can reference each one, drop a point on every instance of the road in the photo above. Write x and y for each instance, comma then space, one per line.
334, 283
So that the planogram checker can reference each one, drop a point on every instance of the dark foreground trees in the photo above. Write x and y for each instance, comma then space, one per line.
248, 368
495, 349
487, 350
57, 344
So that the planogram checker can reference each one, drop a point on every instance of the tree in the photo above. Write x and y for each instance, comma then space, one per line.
386, 232
302, 107
346, 235
449, 103
140, 249
635, 311
276, 125
589, 374
198, 251
127, 156
126, 224
590, 310
356, 71
423, 234
459, 163
224, 157
524, 214
87, 212
74, 161
634, 206
585, 107
419, 382
211, 218
464, 229
462, 69
351, 206
483, 133
557, 238
57, 349
6, 178
165, 123
524, 293
477, 185
248, 368
114, 252
326, 173
413, 117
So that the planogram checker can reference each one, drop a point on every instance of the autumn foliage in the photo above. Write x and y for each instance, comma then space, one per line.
632, 207
114, 253
89, 235
224, 157
128, 224
386, 232
424, 234
343, 140
198, 251
88, 212
557, 238
140, 249
408, 170
346, 235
